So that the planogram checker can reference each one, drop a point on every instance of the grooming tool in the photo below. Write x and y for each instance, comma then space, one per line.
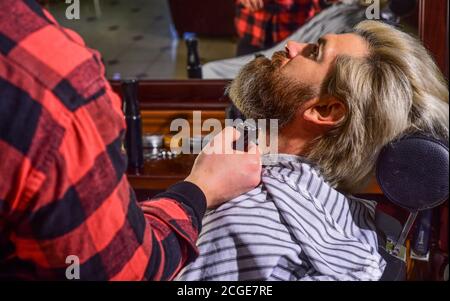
249, 133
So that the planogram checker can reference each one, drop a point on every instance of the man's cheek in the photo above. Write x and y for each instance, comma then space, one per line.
305, 75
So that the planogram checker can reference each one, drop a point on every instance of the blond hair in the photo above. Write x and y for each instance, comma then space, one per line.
396, 89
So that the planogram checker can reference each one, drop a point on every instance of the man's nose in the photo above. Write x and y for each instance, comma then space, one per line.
293, 48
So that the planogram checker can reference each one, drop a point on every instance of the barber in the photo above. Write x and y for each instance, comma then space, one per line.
66, 208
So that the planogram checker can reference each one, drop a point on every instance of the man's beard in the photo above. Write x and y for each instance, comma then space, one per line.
262, 91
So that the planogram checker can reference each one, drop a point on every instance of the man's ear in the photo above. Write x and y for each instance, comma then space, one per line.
326, 112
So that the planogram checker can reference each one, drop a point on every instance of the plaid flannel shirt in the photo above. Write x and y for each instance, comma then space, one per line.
277, 20
63, 188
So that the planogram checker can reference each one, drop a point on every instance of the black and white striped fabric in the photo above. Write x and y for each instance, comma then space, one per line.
293, 226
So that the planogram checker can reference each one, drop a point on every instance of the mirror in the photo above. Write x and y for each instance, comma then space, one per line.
146, 39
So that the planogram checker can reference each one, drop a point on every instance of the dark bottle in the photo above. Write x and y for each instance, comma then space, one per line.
194, 69
133, 136
421, 242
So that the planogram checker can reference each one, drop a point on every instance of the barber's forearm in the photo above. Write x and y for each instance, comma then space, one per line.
175, 213
189, 195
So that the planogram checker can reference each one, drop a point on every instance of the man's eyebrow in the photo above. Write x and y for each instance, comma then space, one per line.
322, 42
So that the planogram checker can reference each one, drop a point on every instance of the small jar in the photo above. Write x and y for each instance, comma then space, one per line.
153, 145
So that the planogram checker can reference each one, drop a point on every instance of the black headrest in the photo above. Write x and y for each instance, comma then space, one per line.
413, 172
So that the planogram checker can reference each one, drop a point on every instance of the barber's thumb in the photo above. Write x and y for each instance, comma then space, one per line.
231, 133
253, 149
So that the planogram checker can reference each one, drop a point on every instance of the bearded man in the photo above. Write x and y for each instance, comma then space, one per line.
338, 103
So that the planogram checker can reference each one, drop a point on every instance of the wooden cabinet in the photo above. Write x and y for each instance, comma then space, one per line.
433, 30
161, 102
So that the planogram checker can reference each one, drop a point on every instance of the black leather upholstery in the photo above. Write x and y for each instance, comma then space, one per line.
389, 227
413, 172
395, 268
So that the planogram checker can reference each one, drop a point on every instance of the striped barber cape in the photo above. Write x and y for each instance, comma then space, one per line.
293, 226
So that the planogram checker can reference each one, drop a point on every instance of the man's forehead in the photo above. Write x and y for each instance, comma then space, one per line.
347, 44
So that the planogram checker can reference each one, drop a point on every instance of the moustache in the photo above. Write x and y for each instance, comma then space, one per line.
278, 58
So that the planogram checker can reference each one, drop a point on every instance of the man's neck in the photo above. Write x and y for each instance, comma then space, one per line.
290, 144
294, 138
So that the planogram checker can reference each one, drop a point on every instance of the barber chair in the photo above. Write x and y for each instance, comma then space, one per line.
413, 173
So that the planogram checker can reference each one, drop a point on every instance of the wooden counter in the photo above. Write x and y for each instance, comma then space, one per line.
157, 175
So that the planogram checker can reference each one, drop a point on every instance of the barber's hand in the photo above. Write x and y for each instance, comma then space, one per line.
223, 175
253, 5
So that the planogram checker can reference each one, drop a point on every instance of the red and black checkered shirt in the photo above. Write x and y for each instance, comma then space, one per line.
63, 189
275, 22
